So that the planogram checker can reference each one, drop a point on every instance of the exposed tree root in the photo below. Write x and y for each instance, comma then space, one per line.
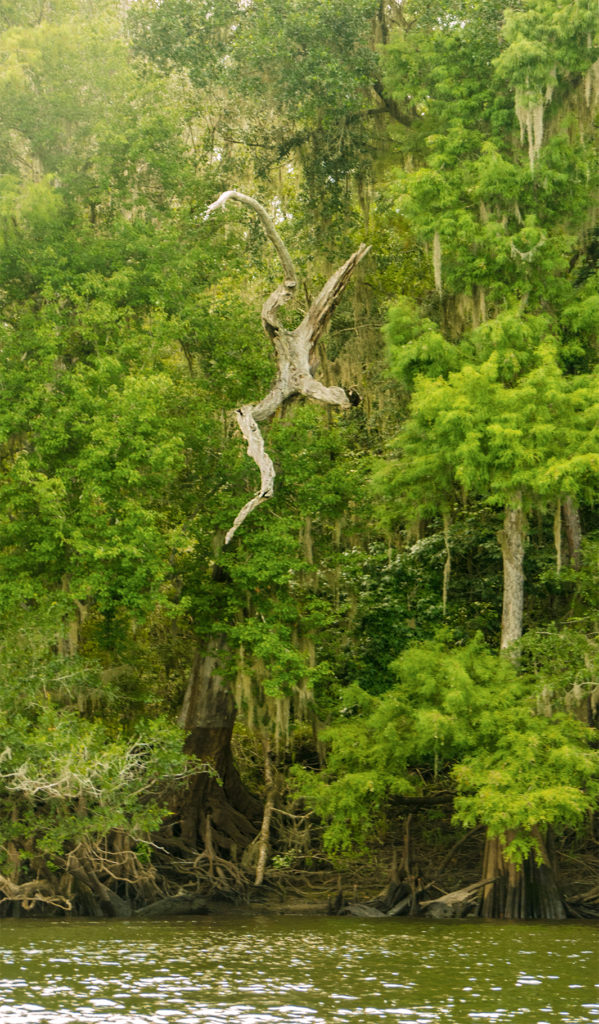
119, 877
264, 837
103, 880
28, 895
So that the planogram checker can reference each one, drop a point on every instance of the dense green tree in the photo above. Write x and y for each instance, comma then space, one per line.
502, 396
112, 430
463, 712
502, 402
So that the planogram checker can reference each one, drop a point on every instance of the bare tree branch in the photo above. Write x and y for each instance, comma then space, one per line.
293, 350
286, 290
269, 228
256, 451
317, 318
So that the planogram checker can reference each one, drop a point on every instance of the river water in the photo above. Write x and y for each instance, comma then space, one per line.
297, 970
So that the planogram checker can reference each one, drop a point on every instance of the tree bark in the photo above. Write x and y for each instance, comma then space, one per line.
447, 565
557, 537
573, 533
293, 351
520, 893
512, 539
208, 713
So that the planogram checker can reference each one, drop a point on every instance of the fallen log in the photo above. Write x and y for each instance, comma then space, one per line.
403, 907
454, 904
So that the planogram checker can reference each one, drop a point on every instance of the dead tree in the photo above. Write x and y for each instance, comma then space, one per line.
221, 815
293, 351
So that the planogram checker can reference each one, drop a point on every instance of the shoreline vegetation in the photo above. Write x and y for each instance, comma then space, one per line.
379, 885
299, 457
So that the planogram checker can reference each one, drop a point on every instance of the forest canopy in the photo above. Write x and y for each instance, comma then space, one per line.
397, 652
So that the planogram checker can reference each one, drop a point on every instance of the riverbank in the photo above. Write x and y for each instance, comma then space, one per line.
427, 877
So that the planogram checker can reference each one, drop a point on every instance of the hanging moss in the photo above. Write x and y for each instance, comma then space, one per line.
531, 120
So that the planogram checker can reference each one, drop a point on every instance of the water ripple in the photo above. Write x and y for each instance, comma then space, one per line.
258, 970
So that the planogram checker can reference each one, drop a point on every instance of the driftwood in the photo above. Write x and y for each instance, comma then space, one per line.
293, 351
402, 908
455, 904
403, 899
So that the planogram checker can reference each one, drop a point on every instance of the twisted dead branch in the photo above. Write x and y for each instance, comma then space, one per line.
293, 351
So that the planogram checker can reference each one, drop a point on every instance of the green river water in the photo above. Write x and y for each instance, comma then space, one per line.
269, 970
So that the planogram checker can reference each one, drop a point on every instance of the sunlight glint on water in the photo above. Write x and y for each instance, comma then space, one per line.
270, 970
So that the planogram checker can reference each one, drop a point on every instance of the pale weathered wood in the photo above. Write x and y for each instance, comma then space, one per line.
293, 351
512, 539
263, 843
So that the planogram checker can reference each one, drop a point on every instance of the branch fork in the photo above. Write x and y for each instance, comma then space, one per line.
293, 351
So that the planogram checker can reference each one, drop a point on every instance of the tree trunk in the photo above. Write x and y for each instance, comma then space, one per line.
217, 794
527, 892
573, 532
263, 845
512, 539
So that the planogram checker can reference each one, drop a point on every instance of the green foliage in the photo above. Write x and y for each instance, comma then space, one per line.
283, 82
546, 42
286, 601
464, 716
131, 327
66, 777
499, 364
538, 772
415, 345
495, 410
366, 767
